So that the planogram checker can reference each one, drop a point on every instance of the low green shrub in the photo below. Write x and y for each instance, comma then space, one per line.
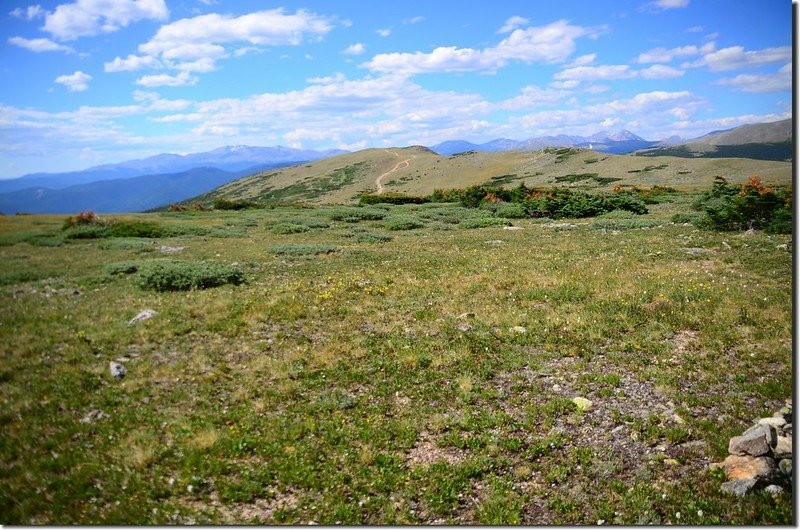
484, 222
289, 228
302, 250
355, 215
225, 204
371, 237
86, 232
686, 217
175, 275
392, 198
403, 223
510, 211
126, 244
146, 229
122, 267
624, 224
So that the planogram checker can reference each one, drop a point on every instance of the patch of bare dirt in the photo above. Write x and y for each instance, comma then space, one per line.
426, 452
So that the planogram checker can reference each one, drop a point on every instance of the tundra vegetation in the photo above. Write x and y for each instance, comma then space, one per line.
400, 362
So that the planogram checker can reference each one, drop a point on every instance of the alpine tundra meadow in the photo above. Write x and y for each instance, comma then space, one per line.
412, 263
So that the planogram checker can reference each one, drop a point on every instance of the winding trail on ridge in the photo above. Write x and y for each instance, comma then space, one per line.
399, 165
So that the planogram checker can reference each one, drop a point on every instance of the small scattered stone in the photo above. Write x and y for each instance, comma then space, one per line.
785, 467
463, 327
774, 490
696, 251
519, 329
494, 241
695, 444
468, 314
117, 370
787, 428
582, 403
94, 415
145, 314
556, 388
738, 487
512, 228
169, 250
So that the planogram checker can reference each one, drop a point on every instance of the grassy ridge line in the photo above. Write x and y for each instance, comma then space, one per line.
316, 182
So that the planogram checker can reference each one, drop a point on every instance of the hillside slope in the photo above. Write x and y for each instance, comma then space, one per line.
759, 141
344, 178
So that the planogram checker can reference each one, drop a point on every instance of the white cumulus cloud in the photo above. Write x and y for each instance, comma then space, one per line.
660, 71
181, 79
513, 23
355, 49
548, 44
28, 13
762, 83
77, 82
93, 17
132, 63
39, 45
736, 57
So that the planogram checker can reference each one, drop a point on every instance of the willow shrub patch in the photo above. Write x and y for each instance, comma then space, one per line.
176, 275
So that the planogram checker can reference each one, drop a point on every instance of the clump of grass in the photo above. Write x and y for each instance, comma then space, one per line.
85, 232
403, 223
686, 217
301, 250
355, 215
314, 223
624, 224
484, 222
372, 237
21, 276
176, 275
289, 228
126, 244
122, 267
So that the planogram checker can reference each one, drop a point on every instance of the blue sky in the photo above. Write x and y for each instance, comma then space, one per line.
87, 82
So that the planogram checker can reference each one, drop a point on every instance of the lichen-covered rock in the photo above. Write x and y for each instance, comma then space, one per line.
749, 468
776, 422
582, 403
783, 447
738, 487
785, 467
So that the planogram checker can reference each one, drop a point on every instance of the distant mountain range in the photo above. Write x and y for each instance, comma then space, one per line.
618, 143
778, 134
142, 184
231, 158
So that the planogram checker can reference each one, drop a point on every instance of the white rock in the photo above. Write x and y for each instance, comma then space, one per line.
512, 228
519, 329
117, 370
774, 490
775, 422
145, 314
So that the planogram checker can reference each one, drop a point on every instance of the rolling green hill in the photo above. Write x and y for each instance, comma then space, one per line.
420, 171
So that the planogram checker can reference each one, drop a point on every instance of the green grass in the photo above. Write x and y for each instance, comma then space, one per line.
426, 379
